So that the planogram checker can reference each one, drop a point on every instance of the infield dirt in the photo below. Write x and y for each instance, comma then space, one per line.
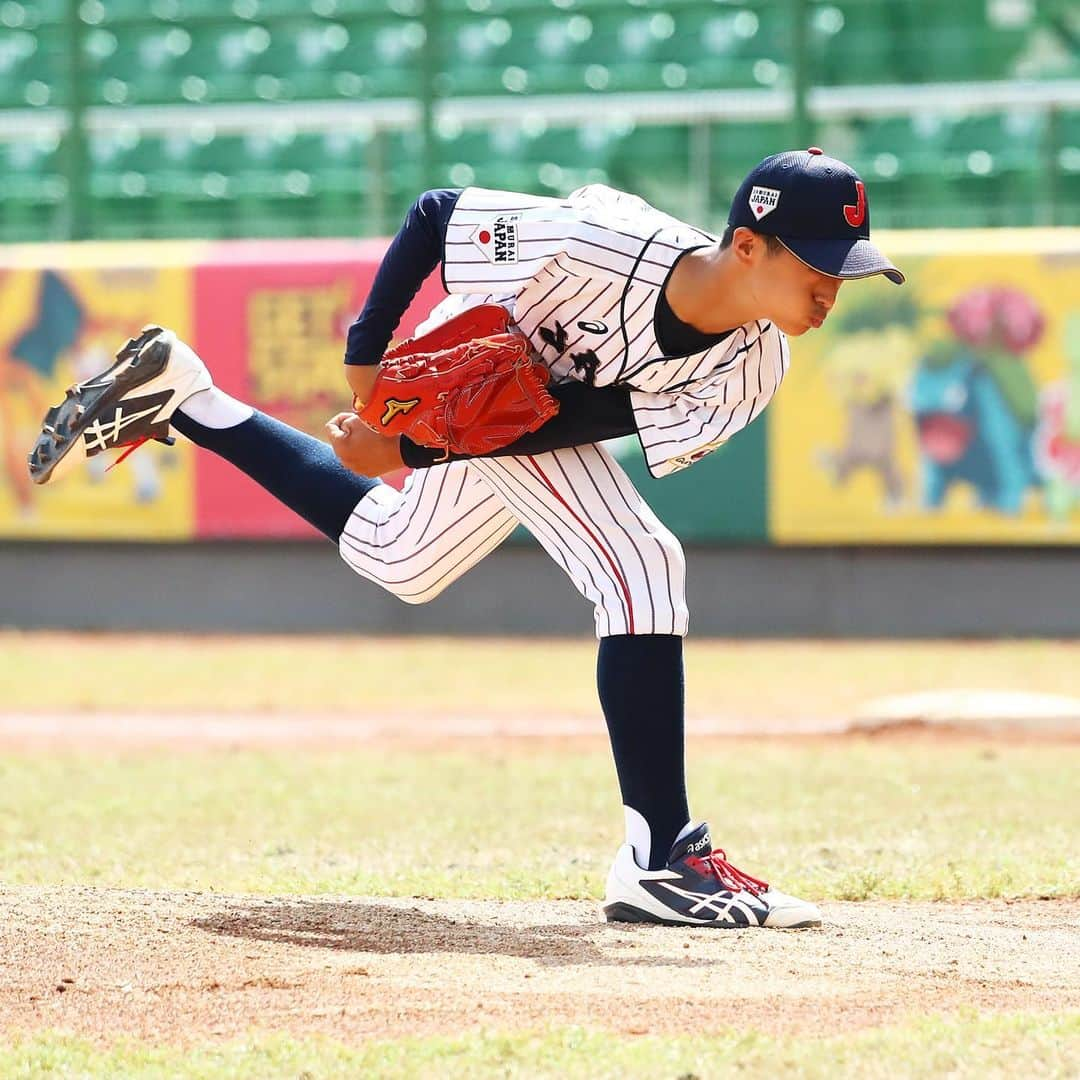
186, 968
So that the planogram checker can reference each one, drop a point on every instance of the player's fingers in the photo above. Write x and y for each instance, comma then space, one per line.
334, 426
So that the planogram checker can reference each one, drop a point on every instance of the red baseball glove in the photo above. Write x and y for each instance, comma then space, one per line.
469, 386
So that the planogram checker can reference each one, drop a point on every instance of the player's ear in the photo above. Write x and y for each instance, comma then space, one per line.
746, 245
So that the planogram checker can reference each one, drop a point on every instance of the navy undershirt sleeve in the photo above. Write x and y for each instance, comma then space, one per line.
586, 415
412, 256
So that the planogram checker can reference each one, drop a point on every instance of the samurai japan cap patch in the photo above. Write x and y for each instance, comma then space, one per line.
763, 200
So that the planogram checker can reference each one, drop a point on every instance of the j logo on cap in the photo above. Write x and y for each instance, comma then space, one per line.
854, 215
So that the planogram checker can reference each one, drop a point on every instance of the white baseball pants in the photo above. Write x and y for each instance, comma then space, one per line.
578, 503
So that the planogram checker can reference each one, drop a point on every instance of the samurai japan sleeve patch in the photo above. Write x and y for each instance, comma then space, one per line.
499, 240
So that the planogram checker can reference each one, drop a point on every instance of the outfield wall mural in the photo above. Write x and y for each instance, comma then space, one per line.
943, 411
63, 313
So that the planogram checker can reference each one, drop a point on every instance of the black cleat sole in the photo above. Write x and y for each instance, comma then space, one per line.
139, 361
627, 913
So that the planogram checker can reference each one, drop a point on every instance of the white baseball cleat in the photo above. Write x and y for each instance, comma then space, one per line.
699, 887
126, 405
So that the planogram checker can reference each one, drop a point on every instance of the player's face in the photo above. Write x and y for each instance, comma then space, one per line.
797, 298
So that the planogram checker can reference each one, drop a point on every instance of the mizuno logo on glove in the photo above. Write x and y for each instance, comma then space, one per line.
394, 407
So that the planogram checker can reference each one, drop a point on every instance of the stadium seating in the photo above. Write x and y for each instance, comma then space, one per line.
928, 169
33, 67
34, 189
274, 182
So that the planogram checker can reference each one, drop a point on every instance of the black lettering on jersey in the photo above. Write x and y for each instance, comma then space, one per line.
505, 240
555, 338
586, 362
591, 327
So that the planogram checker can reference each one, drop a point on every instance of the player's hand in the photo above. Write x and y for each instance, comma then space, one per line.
360, 449
361, 378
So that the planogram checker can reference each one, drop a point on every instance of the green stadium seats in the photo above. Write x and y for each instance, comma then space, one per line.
735, 46
479, 56
34, 189
381, 58
33, 67
913, 41
929, 169
653, 161
136, 64
535, 158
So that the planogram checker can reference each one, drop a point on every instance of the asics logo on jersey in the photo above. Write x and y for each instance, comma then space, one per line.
856, 215
101, 435
394, 407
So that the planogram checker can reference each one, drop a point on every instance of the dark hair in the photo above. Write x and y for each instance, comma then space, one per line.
772, 243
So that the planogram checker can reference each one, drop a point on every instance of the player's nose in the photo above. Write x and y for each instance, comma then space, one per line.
825, 292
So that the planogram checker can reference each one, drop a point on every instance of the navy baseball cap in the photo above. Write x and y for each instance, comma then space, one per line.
816, 207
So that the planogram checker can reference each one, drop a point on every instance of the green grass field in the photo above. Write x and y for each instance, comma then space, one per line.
856, 820
987, 1048
366, 675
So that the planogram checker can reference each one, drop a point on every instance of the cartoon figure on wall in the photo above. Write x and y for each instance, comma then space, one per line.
868, 370
975, 403
28, 366
1057, 438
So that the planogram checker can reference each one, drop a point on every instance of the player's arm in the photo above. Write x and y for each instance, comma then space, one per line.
413, 254
586, 415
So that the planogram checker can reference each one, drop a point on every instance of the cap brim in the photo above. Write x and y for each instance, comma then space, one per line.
843, 258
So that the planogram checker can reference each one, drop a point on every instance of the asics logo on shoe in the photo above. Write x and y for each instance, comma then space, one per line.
700, 845
100, 435
738, 909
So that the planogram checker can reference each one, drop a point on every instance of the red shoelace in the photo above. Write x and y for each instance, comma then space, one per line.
716, 865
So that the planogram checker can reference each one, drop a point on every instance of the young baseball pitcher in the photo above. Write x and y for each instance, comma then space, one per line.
569, 322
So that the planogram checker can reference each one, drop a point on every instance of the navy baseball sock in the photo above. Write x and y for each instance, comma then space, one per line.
640, 680
294, 467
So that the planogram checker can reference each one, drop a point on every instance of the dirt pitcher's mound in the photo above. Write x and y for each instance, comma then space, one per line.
185, 966
974, 710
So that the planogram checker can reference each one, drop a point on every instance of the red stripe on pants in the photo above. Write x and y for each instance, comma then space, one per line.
596, 540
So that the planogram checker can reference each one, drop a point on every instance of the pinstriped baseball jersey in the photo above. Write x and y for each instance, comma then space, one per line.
582, 277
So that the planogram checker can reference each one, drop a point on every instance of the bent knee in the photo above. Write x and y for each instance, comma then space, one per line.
646, 598
412, 597
412, 589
